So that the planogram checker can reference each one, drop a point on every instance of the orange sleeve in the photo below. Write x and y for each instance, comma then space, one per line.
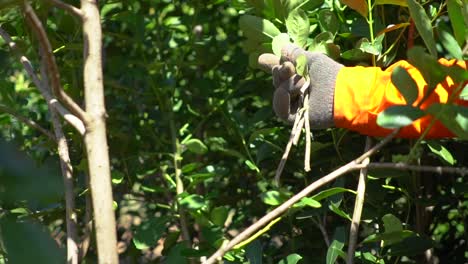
361, 93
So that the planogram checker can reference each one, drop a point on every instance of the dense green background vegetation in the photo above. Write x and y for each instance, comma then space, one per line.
180, 95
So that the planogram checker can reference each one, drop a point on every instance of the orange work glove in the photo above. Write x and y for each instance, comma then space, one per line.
352, 97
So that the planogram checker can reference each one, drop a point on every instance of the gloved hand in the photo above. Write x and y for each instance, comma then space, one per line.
287, 96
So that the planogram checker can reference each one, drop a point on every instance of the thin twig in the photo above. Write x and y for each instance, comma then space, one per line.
403, 166
52, 68
307, 134
294, 130
70, 118
69, 8
27, 122
351, 166
358, 205
67, 174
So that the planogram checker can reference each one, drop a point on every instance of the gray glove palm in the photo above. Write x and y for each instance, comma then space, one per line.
287, 96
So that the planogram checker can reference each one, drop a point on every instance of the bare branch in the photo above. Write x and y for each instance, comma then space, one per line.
27, 122
52, 68
351, 166
403, 166
358, 205
69, 8
70, 118
67, 174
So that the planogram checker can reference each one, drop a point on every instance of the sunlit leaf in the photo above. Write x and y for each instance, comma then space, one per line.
258, 29
298, 26
279, 42
398, 116
272, 197
441, 151
307, 201
464, 93
455, 12
193, 202
196, 146
449, 42
423, 24
454, 117
405, 84
359, 5
336, 247
291, 259
391, 2
431, 70
329, 192
302, 66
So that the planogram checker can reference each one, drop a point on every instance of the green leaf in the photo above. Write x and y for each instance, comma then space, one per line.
441, 151
273, 198
449, 42
193, 202
218, 215
148, 233
257, 28
411, 246
455, 12
251, 165
398, 116
254, 252
117, 177
196, 146
329, 192
307, 201
389, 238
279, 42
391, 223
405, 84
464, 93
431, 70
298, 26
328, 21
423, 24
391, 2
284, 7
334, 208
291, 259
355, 55
336, 247
302, 68
454, 117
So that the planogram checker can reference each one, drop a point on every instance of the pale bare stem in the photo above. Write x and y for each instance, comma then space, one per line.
67, 174
358, 205
294, 130
351, 166
299, 132
179, 183
52, 68
463, 171
69, 8
27, 122
96, 136
307, 135
45, 91
86, 240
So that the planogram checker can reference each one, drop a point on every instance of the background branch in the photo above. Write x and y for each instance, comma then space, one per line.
44, 90
69, 8
52, 68
27, 122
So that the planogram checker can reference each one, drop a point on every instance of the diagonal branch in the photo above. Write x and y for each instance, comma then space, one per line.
27, 121
52, 68
70, 118
69, 8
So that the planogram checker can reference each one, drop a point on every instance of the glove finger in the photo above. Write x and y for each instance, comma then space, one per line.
276, 76
287, 70
281, 103
267, 61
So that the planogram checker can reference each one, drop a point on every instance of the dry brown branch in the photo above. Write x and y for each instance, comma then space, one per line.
52, 69
69, 8
358, 205
70, 118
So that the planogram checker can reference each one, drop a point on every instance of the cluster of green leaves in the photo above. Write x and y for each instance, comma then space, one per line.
181, 99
